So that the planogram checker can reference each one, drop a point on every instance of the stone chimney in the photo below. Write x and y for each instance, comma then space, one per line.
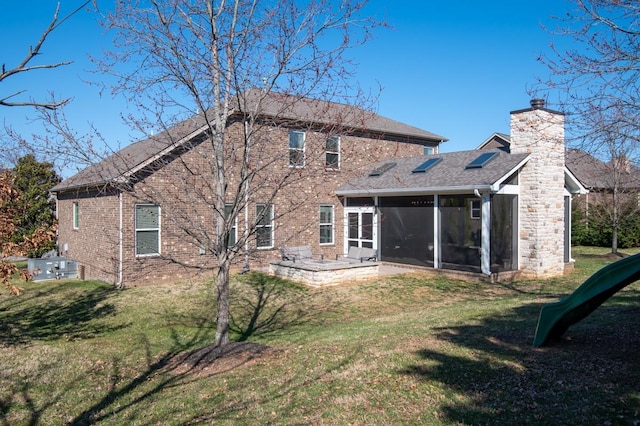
540, 132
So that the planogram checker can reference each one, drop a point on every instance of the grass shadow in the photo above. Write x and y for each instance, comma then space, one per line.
499, 378
41, 314
265, 304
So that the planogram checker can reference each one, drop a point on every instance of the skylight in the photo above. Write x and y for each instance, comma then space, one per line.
382, 169
481, 160
422, 168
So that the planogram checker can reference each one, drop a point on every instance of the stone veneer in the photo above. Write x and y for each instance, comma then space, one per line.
320, 273
540, 132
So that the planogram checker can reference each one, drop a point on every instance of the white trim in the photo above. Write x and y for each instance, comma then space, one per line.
374, 225
495, 187
436, 232
573, 184
485, 258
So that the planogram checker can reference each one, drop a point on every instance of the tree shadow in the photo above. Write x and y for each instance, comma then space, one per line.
266, 304
590, 376
41, 315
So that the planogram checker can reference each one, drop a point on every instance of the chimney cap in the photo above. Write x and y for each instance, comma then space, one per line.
537, 103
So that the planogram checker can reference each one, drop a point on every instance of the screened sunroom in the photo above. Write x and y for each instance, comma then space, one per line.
450, 211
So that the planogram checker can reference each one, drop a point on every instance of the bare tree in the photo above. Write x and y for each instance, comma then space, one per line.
595, 73
238, 69
27, 65
614, 182
594, 59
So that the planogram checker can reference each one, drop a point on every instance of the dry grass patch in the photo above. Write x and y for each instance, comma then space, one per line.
402, 350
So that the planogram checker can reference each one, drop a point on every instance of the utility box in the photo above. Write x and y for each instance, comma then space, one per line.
52, 268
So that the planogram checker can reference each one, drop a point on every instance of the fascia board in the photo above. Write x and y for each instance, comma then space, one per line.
495, 187
412, 191
573, 183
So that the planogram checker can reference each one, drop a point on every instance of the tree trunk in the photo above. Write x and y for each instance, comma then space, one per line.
222, 317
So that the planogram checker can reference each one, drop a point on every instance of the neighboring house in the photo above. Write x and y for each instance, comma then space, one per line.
494, 214
598, 177
106, 224
499, 211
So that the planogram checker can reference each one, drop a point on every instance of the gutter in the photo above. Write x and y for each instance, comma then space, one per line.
413, 191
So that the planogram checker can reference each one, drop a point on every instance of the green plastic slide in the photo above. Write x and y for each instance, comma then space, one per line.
555, 318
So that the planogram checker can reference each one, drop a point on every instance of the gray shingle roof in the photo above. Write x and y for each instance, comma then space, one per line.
272, 105
449, 175
589, 170
596, 174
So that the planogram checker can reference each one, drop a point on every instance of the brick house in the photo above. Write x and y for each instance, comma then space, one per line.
365, 182
144, 213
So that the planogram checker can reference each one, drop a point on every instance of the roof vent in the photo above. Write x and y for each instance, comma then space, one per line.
537, 103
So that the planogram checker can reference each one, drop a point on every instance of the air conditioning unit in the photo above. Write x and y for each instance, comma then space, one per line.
52, 268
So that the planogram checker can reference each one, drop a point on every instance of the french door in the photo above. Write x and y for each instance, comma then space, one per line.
361, 228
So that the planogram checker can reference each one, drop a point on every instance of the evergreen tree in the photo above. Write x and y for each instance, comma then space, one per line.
35, 209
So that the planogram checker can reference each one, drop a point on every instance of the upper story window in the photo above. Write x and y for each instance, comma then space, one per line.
76, 216
296, 149
147, 229
429, 150
332, 161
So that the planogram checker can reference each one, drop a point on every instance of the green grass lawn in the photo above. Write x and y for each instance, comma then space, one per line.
410, 349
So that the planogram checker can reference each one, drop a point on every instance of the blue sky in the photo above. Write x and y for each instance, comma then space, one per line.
455, 68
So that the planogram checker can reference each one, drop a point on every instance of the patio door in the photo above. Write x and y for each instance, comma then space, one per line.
361, 228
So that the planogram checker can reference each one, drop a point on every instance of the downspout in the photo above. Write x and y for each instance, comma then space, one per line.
246, 229
120, 246
246, 206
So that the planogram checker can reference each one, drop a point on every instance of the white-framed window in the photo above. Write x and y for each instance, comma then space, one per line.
233, 232
76, 216
332, 161
476, 209
264, 225
429, 150
326, 224
147, 223
296, 149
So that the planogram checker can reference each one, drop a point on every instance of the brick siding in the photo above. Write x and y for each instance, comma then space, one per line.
96, 243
